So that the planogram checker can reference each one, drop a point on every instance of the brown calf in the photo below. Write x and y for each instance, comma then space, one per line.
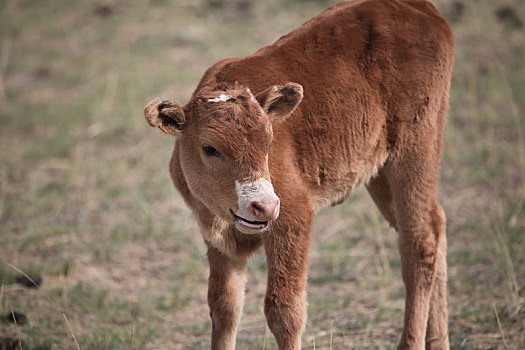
367, 106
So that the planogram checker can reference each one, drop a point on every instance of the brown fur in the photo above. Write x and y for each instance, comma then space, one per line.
376, 78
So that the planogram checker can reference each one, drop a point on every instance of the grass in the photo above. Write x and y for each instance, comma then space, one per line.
86, 200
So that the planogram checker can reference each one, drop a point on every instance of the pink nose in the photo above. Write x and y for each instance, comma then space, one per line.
265, 212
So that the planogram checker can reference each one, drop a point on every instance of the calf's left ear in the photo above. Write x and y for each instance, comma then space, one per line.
167, 115
279, 102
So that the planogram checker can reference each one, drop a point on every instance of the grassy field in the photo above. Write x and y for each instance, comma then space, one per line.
86, 201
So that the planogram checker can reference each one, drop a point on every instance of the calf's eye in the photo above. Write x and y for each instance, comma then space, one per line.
209, 150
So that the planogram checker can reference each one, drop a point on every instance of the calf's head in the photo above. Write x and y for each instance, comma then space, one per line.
224, 135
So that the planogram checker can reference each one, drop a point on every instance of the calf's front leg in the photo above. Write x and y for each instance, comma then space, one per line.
225, 297
287, 249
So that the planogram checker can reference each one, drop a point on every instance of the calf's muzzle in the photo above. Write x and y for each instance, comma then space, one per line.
265, 211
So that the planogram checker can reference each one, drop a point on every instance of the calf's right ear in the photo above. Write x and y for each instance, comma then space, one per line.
167, 115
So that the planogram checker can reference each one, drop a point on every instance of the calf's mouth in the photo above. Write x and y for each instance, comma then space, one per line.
254, 225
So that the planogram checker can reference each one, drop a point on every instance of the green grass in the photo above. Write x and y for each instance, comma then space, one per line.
86, 200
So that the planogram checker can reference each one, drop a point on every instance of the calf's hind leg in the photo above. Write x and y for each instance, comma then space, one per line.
437, 327
421, 227
380, 192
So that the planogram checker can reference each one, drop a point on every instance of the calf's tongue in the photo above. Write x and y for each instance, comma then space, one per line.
250, 225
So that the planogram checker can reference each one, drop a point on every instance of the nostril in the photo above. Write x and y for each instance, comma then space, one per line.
265, 212
256, 208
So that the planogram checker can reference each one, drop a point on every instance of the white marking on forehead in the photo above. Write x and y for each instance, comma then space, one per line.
221, 98
260, 190
251, 95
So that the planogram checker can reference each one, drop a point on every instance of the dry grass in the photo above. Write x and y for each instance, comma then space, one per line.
86, 200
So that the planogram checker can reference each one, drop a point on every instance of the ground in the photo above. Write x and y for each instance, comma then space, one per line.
86, 201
